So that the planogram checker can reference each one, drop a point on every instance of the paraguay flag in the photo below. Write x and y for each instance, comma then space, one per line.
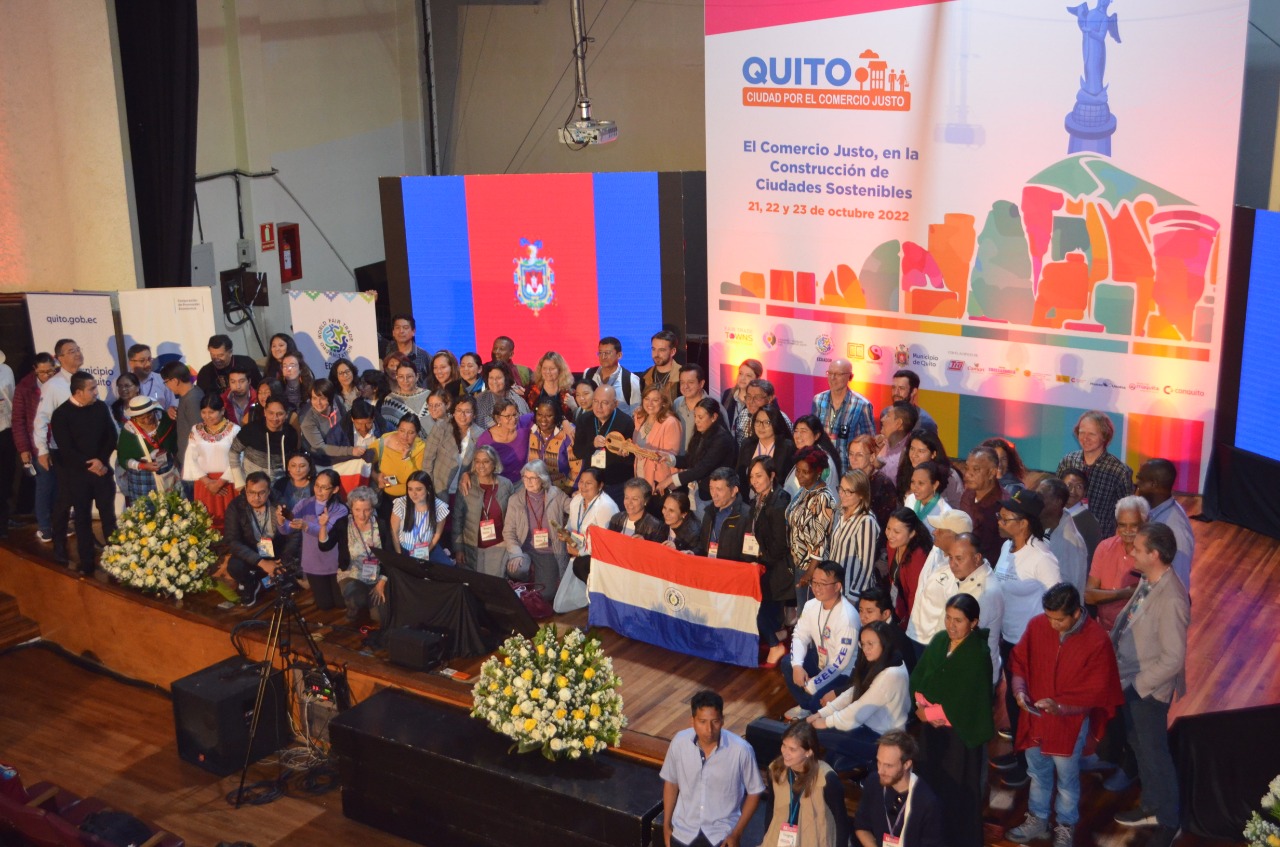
700, 607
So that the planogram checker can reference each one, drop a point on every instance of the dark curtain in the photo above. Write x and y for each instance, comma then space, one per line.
160, 63
1225, 761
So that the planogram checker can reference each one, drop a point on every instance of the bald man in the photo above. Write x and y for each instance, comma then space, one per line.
589, 441
844, 413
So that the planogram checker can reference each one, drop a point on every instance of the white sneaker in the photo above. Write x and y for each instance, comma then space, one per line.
796, 713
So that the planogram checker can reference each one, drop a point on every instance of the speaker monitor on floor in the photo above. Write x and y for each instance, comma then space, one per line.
213, 711
418, 647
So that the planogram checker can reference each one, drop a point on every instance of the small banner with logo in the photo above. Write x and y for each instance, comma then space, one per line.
333, 325
696, 606
174, 322
86, 319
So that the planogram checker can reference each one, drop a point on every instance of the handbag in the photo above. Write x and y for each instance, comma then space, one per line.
530, 594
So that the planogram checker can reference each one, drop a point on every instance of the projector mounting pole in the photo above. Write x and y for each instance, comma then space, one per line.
580, 58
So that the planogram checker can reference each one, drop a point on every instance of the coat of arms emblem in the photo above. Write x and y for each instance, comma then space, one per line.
534, 278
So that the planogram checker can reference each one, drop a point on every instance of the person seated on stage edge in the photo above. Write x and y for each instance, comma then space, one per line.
897, 806
449, 450
208, 461
909, 545
877, 701
682, 525
479, 515
550, 440
417, 520
809, 517
145, 451
589, 507
854, 540
765, 543
659, 430
712, 447
310, 517
875, 605
711, 782
924, 495
534, 552
725, 520
253, 535
955, 673
808, 807
396, 455
356, 537
346, 383
263, 444
824, 645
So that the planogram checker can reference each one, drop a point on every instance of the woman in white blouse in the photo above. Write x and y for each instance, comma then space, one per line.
207, 463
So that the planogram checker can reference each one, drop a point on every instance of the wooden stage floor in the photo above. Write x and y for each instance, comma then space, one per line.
1233, 657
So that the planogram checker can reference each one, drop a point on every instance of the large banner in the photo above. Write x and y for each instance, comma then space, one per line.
87, 320
333, 325
174, 322
1025, 203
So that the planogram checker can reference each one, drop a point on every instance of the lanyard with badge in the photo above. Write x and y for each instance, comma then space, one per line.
789, 832
750, 545
893, 837
266, 547
368, 562
824, 632
488, 526
713, 549
578, 536
541, 536
598, 457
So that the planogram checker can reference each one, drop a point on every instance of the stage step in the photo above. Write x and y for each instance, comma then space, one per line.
14, 628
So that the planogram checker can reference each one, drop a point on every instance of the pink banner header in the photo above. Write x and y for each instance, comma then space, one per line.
740, 15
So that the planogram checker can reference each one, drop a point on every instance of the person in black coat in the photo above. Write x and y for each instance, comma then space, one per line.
768, 528
682, 526
712, 447
895, 802
252, 532
84, 437
589, 440
770, 436
634, 520
726, 520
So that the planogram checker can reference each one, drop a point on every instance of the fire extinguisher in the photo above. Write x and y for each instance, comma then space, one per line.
287, 256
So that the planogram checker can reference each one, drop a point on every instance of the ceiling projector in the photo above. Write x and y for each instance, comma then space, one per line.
588, 131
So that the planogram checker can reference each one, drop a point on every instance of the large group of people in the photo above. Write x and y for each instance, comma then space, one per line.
900, 588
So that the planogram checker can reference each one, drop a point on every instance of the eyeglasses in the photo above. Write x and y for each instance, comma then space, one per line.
293, 367
506, 416
1009, 519
141, 360
817, 584
844, 490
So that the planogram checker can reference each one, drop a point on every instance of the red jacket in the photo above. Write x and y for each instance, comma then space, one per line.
1080, 672
26, 398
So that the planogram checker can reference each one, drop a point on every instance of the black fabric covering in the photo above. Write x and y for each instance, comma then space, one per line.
160, 64
1225, 761
440, 605
1241, 488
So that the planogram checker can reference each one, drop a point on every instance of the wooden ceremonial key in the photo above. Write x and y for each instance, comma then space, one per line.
616, 442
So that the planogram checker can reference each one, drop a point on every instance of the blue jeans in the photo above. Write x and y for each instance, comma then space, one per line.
848, 750
1146, 721
46, 494
1043, 769
811, 702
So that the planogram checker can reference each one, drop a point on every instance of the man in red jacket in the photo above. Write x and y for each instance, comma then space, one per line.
26, 397
1066, 681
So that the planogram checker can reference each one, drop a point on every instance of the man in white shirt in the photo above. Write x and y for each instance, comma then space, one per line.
824, 644
966, 573
1066, 542
946, 527
55, 391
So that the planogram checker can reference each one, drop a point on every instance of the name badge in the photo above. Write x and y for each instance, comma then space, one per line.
266, 548
597, 459
750, 547
712, 550
488, 531
541, 539
891, 840
788, 835
823, 658
369, 570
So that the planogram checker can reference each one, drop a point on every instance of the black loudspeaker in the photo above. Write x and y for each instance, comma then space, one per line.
418, 647
213, 710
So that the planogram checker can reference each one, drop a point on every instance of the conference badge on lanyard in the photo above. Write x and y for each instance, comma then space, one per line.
597, 459
750, 547
789, 835
488, 530
541, 539
713, 550
369, 569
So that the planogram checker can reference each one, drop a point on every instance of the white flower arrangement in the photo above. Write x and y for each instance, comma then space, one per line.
556, 695
162, 545
1259, 831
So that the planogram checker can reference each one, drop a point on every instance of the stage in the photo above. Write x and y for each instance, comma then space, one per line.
1231, 662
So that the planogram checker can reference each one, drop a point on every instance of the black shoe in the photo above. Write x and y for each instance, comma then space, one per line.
60, 556
249, 595
1015, 778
